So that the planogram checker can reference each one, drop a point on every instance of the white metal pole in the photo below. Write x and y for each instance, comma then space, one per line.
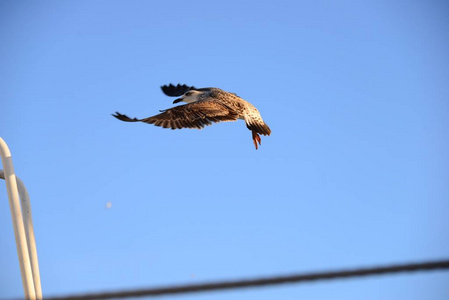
31, 240
17, 220
29, 231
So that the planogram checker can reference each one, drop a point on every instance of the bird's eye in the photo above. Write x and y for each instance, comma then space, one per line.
188, 93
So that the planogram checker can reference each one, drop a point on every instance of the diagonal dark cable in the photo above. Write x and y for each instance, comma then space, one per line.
183, 289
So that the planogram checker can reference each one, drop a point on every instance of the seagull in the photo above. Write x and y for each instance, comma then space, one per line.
204, 107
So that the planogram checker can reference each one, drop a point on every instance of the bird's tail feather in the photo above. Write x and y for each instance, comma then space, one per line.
259, 127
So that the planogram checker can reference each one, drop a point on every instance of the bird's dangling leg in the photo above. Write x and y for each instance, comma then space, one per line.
256, 139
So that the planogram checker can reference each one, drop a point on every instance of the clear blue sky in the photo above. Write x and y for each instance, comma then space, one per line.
355, 173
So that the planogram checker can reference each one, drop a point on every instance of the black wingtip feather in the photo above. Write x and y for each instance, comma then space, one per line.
124, 118
176, 90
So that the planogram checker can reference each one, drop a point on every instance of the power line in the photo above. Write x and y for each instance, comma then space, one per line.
258, 282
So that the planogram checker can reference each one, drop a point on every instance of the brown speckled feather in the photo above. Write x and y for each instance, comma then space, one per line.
192, 115
205, 107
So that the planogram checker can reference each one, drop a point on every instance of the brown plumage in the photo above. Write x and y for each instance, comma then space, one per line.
205, 107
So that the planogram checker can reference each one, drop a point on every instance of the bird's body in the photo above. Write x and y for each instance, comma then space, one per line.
205, 107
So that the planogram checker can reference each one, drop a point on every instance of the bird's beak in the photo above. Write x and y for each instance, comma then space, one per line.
178, 100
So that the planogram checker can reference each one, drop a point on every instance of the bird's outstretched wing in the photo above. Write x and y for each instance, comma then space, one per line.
192, 115
176, 90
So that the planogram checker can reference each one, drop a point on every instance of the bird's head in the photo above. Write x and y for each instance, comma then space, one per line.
191, 96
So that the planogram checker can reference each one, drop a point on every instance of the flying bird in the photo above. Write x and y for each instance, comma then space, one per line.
204, 107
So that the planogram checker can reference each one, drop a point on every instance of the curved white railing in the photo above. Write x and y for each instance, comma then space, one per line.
23, 226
